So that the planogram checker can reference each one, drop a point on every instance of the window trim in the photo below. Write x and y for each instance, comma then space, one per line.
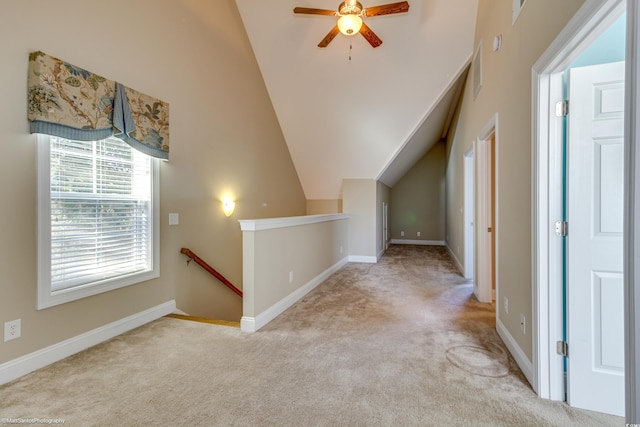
46, 296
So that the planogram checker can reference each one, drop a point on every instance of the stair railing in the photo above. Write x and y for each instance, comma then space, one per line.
211, 270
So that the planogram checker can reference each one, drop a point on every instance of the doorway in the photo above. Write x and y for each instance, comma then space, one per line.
486, 232
550, 336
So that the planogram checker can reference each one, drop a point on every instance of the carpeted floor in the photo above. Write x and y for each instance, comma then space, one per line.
398, 343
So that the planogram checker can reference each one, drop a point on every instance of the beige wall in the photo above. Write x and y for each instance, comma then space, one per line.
224, 138
322, 206
359, 198
418, 199
506, 90
305, 248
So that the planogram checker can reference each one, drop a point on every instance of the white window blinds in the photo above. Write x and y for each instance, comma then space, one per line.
101, 212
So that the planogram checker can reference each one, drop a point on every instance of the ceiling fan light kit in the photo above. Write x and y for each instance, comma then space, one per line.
350, 22
349, 25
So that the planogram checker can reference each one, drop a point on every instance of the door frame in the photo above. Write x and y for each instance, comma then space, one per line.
632, 209
547, 133
486, 159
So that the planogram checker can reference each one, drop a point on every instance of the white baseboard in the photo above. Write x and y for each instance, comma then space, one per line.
16, 368
418, 242
252, 324
248, 324
521, 359
362, 258
456, 261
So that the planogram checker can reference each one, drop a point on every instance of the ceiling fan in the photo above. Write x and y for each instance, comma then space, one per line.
350, 14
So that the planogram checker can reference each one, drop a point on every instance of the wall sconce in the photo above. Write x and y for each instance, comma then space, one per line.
228, 206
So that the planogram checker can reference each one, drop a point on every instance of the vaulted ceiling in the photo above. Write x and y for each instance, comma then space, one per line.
352, 111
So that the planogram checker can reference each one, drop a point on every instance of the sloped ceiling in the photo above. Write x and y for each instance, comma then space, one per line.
352, 111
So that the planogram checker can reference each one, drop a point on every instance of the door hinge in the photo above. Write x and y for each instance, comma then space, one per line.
562, 228
562, 108
562, 348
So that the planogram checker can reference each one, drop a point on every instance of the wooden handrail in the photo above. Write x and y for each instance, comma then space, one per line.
211, 270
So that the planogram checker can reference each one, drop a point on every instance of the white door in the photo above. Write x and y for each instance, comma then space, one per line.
595, 305
483, 285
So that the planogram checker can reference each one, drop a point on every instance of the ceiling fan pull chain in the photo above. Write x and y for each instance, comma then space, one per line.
350, 49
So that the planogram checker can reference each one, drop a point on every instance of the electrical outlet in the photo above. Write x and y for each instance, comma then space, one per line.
418, 234
12, 330
402, 234
523, 323
506, 305
340, 248
291, 276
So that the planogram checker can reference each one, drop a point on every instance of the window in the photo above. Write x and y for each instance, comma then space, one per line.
97, 218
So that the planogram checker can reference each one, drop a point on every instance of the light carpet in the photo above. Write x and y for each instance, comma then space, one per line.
399, 343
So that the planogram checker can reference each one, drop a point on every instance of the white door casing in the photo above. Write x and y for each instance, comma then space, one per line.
385, 225
632, 211
468, 215
595, 303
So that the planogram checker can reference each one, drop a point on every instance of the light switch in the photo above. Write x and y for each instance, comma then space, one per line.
174, 219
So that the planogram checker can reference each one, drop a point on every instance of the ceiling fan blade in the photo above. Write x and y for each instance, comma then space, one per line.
371, 37
387, 9
311, 11
327, 39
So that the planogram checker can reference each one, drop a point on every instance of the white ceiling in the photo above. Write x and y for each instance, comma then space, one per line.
370, 117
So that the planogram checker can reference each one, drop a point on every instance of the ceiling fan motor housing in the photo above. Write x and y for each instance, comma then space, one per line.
350, 7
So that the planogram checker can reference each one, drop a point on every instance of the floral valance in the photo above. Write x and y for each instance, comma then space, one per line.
70, 102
